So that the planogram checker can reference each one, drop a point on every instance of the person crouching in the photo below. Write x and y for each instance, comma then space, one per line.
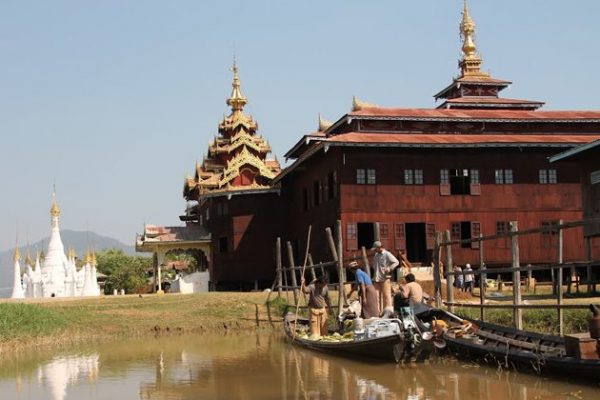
318, 300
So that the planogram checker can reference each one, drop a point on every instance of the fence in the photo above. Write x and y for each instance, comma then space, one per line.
444, 242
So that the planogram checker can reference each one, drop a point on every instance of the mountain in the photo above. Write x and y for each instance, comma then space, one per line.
80, 241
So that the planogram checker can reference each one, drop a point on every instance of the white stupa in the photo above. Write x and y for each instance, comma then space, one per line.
56, 275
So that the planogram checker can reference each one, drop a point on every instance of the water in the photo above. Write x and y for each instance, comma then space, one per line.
255, 367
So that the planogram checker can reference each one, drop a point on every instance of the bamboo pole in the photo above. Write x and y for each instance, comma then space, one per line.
482, 279
365, 258
341, 292
278, 265
559, 295
313, 275
290, 252
517, 312
437, 282
331, 243
588, 268
376, 231
449, 278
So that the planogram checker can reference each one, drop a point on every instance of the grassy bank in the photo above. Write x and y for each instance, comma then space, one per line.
58, 321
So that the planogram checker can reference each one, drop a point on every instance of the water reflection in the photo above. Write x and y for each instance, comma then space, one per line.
256, 367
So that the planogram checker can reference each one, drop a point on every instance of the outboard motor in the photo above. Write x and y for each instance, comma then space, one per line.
405, 314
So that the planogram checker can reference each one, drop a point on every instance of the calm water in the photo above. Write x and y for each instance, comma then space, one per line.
255, 367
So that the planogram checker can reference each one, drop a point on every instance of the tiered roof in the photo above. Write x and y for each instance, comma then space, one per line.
237, 157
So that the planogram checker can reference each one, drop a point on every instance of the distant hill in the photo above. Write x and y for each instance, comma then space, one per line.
80, 241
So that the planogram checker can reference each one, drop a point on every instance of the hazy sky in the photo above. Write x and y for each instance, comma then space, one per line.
114, 100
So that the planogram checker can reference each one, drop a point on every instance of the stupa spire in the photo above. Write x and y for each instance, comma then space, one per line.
470, 65
237, 100
16, 254
55, 209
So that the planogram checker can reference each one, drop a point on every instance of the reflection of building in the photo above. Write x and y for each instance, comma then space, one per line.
232, 210
56, 275
62, 372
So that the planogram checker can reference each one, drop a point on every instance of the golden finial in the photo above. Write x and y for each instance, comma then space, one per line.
55, 209
28, 260
237, 101
358, 105
16, 254
470, 64
323, 124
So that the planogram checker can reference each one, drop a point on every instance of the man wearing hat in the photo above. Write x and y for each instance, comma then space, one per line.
384, 263
318, 300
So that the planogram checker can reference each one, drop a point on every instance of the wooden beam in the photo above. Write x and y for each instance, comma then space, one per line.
278, 265
341, 292
559, 295
290, 252
449, 278
517, 312
437, 281
482, 278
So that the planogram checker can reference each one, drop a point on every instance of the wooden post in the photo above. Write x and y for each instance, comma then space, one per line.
559, 297
517, 312
376, 231
482, 279
365, 260
437, 282
449, 265
588, 268
290, 252
278, 265
313, 274
341, 291
331, 243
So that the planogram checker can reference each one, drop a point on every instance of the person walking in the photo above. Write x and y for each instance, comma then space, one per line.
458, 279
369, 300
384, 263
318, 300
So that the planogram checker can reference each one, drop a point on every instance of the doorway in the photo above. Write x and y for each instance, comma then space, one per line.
416, 242
365, 234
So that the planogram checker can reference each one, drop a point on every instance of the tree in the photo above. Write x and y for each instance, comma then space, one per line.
124, 272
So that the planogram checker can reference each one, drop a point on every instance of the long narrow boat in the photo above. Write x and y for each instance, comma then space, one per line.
393, 347
508, 347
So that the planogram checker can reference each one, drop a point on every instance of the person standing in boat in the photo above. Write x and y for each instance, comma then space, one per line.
318, 300
369, 300
384, 264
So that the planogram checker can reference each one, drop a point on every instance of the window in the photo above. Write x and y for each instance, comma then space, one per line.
474, 176
351, 242
503, 176
316, 193
223, 244
547, 176
413, 176
466, 230
502, 227
371, 177
460, 181
361, 176
331, 185
444, 176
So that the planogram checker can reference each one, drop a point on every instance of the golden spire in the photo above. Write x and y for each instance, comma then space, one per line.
94, 262
28, 260
88, 257
470, 64
16, 254
55, 209
237, 101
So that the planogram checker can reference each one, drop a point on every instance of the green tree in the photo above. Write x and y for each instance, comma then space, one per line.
123, 271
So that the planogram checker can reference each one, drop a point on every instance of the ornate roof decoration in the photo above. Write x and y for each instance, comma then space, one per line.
470, 64
358, 105
55, 209
237, 145
324, 124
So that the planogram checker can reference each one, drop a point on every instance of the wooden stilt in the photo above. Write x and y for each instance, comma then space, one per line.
517, 312
278, 265
449, 265
290, 252
559, 292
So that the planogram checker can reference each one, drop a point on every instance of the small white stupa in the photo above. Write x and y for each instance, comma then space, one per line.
56, 275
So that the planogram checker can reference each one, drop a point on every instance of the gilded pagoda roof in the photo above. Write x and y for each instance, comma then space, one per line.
236, 148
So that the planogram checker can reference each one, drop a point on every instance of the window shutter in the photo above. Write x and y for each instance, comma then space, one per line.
399, 236
475, 231
430, 232
444, 189
351, 236
384, 235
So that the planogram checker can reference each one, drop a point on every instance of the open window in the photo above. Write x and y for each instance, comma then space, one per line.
459, 182
466, 230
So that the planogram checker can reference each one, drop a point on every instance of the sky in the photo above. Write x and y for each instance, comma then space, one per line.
114, 100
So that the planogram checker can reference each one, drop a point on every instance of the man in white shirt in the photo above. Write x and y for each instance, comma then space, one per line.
384, 263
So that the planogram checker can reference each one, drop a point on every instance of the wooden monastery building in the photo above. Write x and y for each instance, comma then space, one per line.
470, 165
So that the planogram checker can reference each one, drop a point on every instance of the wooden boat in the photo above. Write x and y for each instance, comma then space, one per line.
394, 347
507, 347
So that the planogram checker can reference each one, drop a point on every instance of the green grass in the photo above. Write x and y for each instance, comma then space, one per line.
23, 321
542, 321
